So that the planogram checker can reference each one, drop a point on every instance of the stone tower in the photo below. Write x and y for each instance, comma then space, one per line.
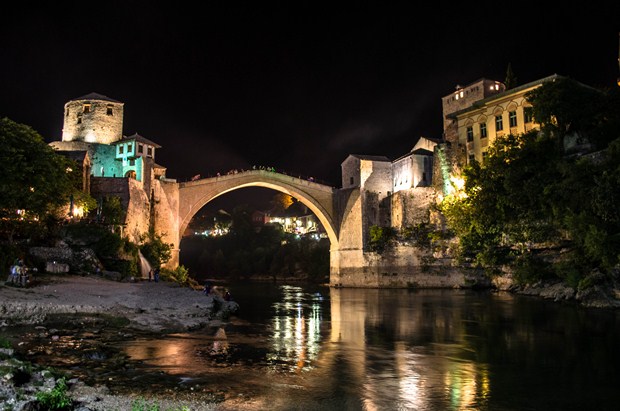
93, 118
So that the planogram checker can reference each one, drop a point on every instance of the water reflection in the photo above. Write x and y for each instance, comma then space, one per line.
304, 348
404, 352
296, 325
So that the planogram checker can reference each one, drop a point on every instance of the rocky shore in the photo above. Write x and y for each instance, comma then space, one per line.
164, 307
147, 306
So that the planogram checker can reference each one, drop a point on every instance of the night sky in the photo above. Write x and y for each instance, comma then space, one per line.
298, 86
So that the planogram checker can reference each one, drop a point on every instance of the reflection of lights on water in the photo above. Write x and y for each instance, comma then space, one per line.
466, 385
296, 328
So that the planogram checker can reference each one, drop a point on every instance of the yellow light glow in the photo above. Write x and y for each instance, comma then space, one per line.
458, 182
78, 211
90, 137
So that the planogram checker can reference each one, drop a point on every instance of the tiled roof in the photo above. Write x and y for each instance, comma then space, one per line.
137, 137
371, 158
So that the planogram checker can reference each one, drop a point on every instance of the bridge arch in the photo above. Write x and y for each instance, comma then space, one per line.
319, 198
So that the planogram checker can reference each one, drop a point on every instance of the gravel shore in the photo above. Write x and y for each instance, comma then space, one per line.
149, 306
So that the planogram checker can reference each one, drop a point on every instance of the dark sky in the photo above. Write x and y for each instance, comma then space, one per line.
298, 86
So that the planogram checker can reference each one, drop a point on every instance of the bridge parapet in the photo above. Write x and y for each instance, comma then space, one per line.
262, 174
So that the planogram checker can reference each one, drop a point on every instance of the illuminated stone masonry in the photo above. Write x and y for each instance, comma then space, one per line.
375, 190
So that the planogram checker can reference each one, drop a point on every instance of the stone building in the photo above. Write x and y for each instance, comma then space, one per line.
116, 165
392, 193
487, 119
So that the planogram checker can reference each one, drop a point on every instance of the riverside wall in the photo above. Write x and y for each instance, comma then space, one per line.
403, 266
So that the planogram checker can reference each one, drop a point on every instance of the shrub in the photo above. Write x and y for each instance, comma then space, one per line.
57, 398
381, 238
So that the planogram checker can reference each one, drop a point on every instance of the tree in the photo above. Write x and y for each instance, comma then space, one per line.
281, 202
511, 80
155, 250
528, 196
36, 181
566, 106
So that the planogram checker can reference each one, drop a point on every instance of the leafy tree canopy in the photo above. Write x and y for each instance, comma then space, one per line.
528, 195
34, 177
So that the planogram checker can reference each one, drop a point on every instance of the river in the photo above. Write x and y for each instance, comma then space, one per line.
301, 347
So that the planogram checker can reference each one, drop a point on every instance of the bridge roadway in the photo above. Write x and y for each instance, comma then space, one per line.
319, 198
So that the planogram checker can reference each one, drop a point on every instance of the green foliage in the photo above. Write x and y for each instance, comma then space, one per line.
528, 194
57, 398
564, 106
155, 250
4, 343
143, 405
419, 234
179, 275
112, 211
381, 238
529, 268
36, 179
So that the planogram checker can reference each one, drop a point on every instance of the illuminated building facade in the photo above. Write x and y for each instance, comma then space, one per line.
117, 165
474, 128
94, 123
415, 169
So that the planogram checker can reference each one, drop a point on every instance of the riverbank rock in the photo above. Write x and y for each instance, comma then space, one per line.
150, 306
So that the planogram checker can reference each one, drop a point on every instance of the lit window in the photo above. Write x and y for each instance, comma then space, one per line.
499, 123
528, 114
470, 133
483, 130
512, 118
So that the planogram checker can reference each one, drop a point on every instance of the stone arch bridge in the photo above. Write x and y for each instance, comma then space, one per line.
317, 197
345, 214
178, 202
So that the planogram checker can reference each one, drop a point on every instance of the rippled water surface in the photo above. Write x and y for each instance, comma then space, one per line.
303, 348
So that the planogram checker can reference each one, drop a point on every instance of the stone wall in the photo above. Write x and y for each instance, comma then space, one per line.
350, 170
134, 200
138, 211
101, 122
109, 186
411, 207
165, 212
404, 267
